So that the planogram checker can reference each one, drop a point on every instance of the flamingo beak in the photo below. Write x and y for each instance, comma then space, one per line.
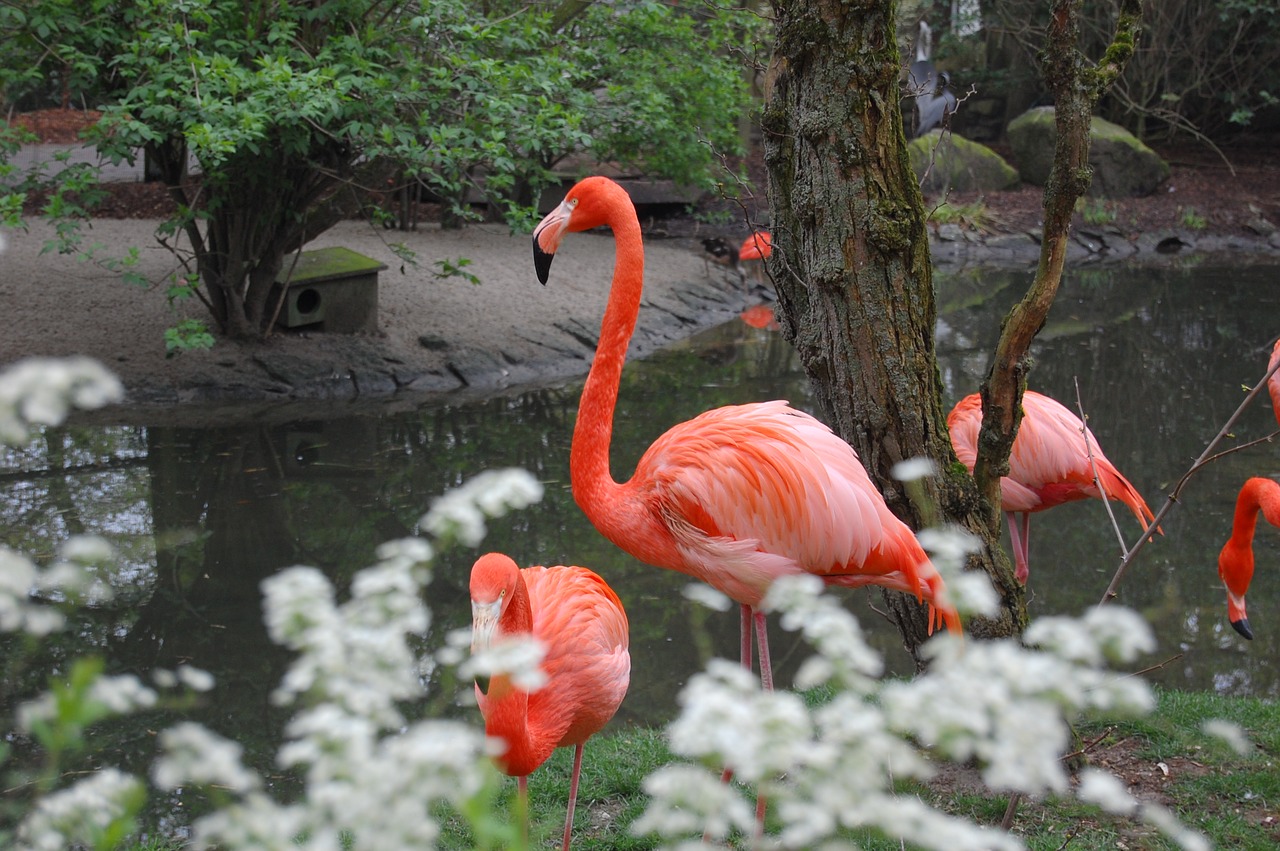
547, 236
1236, 614
484, 623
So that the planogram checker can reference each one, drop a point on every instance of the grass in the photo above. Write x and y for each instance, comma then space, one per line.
1210, 787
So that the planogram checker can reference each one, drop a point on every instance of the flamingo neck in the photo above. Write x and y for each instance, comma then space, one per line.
593, 486
508, 706
1258, 494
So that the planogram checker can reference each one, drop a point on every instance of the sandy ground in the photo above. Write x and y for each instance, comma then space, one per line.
435, 335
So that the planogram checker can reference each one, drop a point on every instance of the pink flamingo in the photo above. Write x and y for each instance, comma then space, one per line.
583, 626
1273, 383
1235, 562
1049, 465
756, 249
738, 496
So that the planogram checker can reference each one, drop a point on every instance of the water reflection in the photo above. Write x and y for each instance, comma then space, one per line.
202, 515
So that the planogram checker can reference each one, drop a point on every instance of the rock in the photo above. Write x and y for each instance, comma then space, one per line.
950, 162
1122, 166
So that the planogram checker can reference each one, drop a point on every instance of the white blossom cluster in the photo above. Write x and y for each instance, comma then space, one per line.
41, 391
353, 655
83, 813
460, 514
371, 779
27, 591
831, 768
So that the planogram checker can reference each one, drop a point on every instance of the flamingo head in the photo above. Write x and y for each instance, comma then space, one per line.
590, 203
1235, 568
493, 584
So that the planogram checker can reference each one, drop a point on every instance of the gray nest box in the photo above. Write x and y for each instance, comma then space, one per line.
330, 289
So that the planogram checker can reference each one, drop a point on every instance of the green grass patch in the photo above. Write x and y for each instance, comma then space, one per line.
1233, 799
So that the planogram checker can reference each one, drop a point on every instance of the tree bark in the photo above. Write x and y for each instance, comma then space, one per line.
851, 266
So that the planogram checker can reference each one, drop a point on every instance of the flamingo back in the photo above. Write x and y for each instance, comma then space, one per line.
1050, 462
748, 493
588, 664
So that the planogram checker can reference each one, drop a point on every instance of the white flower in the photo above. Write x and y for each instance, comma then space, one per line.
82, 813
192, 755
122, 694
461, 512
1105, 789
195, 678
40, 391
1230, 733
516, 656
913, 469
703, 594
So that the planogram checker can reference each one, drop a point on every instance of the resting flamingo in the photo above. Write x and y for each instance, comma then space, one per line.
738, 496
580, 620
1235, 562
1049, 466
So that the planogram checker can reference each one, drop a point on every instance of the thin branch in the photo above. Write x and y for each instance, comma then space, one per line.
1206, 457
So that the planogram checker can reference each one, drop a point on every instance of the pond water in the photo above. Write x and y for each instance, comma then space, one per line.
202, 515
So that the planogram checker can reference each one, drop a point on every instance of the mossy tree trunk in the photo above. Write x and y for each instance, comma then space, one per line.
851, 266
851, 260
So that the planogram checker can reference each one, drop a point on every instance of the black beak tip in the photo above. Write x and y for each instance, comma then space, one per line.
1242, 626
541, 262
482, 683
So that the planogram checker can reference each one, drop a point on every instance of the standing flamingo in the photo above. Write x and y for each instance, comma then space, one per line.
1235, 562
1049, 465
756, 248
739, 495
583, 626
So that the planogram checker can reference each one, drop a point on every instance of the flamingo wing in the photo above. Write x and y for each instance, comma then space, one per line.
580, 620
749, 493
1050, 461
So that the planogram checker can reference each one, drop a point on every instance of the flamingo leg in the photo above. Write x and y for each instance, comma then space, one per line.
766, 682
754, 621
522, 807
573, 796
762, 639
1020, 538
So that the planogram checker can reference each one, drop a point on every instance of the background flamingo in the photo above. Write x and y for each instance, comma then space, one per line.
1049, 465
580, 620
739, 495
755, 250
1235, 562
1273, 383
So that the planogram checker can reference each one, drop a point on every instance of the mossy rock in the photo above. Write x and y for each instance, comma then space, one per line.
947, 161
1123, 167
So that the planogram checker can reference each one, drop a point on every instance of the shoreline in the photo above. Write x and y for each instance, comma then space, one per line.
438, 338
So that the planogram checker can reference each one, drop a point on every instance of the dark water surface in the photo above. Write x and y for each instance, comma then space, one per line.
202, 515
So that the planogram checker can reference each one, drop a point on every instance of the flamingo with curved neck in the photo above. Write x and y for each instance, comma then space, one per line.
738, 496
1235, 562
583, 627
1052, 463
